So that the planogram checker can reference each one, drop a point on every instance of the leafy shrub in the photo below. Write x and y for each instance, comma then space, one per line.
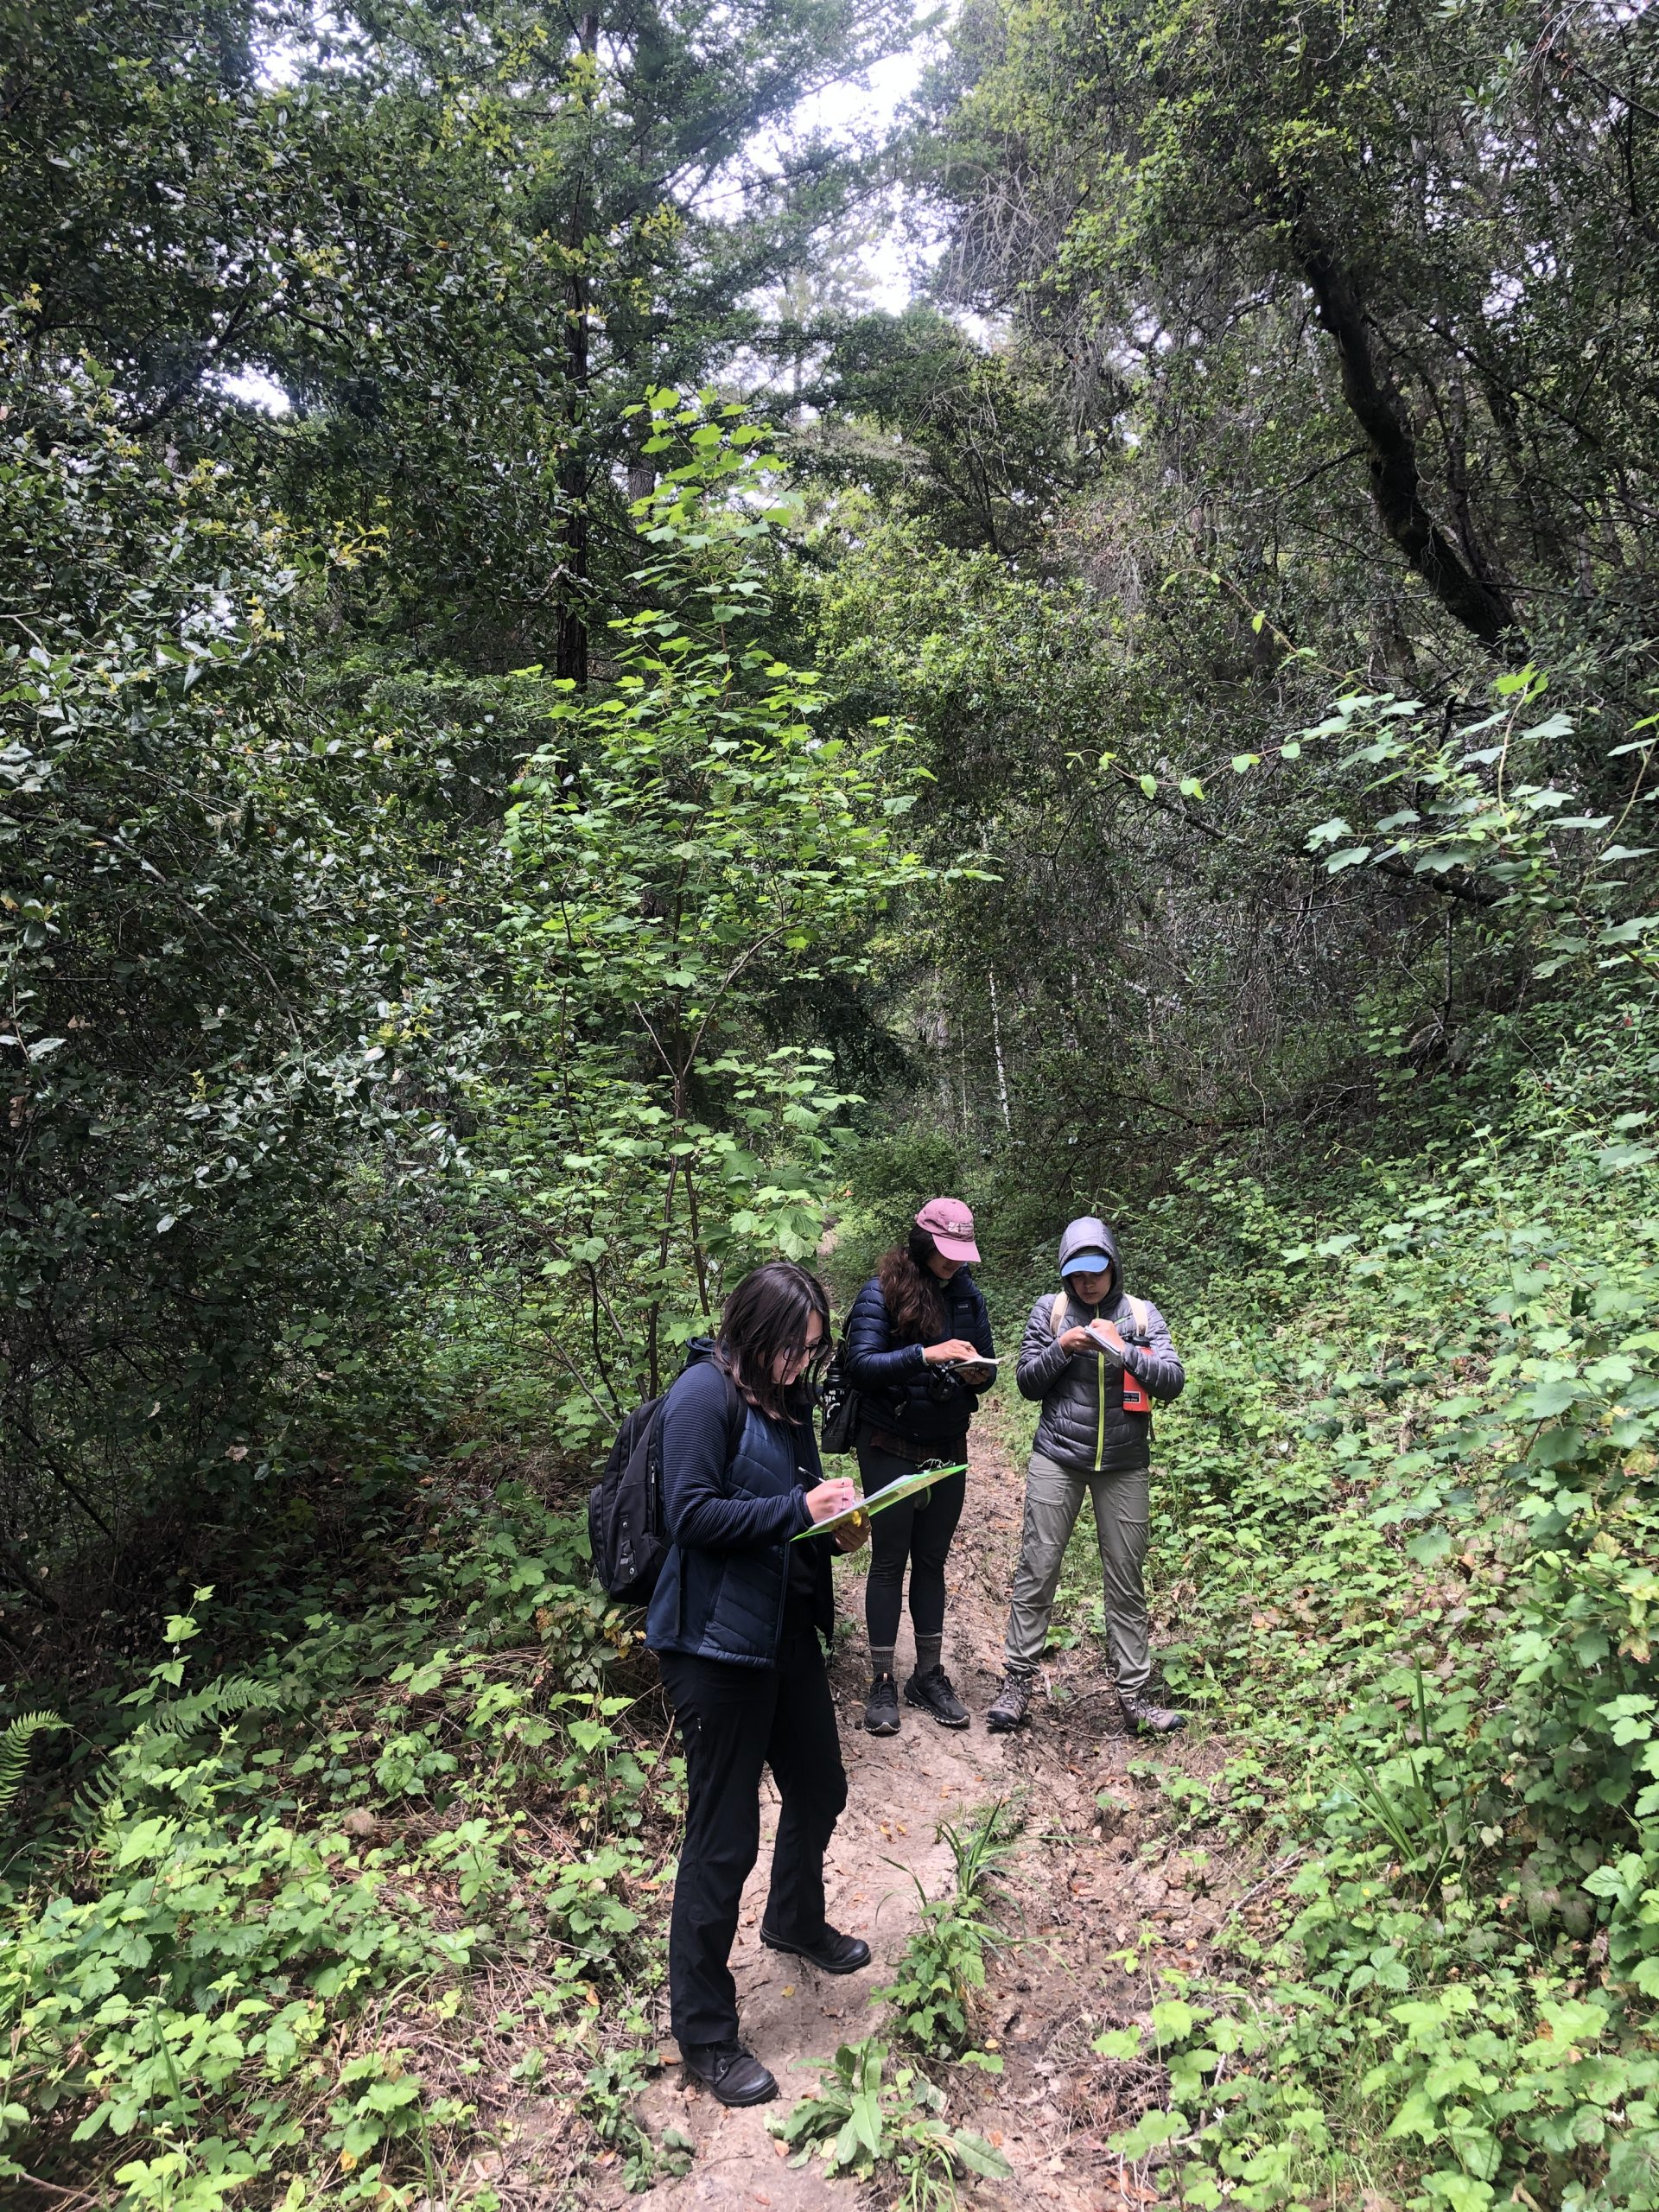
941, 1967
1409, 1514
864, 2118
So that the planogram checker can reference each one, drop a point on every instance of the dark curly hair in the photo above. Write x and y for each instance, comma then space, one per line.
911, 1292
767, 1314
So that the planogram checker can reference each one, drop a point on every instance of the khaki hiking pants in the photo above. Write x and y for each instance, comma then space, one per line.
1053, 1501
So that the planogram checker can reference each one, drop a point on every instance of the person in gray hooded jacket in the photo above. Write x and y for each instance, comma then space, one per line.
1097, 1359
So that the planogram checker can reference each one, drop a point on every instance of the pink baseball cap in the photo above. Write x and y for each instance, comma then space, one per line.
950, 1225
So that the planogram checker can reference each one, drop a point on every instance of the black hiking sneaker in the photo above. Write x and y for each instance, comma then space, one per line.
936, 1693
882, 1706
833, 1953
734, 2074
1012, 1704
1148, 1719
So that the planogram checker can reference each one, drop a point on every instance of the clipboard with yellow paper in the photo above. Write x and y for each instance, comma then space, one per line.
894, 1494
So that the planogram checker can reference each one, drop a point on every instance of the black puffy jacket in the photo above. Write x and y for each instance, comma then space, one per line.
901, 1393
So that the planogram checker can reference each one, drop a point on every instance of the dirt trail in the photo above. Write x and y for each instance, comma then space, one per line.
1080, 1887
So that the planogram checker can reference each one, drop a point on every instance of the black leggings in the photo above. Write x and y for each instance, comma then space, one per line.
919, 1532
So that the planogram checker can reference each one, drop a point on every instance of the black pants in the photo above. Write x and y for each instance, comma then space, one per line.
917, 1532
733, 1721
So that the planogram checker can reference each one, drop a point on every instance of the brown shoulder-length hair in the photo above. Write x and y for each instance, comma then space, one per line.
765, 1315
911, 1292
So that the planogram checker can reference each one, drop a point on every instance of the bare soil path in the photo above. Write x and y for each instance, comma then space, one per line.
1081, 1886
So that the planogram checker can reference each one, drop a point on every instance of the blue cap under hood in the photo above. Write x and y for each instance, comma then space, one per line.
1086, 1235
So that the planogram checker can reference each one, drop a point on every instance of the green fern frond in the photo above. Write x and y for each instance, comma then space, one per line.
92, 1802
15, 1741
219, 1700
166, 1735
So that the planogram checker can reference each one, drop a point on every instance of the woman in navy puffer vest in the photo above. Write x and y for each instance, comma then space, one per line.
735, 1620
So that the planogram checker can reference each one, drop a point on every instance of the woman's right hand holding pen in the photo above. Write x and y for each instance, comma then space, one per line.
830, 1499
1100, 1335
954, 1349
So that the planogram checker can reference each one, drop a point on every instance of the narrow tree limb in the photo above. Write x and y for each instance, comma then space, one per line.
1463, 888
50, 1460
14, 1571
1460, 888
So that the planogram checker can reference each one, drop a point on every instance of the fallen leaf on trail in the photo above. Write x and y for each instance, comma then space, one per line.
789, 1989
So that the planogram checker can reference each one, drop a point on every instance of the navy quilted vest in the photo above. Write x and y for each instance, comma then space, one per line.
730, 1605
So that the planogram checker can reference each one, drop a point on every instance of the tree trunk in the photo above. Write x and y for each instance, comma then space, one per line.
570, 656
1396, 486
1001, 1069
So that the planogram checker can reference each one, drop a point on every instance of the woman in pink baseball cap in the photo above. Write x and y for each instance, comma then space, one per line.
916, 1348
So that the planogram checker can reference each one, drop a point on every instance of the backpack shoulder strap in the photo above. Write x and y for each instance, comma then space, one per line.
1139, 1312
737, 1417
737, 1414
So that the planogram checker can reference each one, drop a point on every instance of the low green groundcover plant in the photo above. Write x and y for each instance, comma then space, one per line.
245, 1954
867, 2118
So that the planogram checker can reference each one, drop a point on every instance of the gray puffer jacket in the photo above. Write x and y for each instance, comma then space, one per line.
1083, 1427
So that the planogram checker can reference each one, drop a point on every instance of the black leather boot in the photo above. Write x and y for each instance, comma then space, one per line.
734, 2074
833, 1952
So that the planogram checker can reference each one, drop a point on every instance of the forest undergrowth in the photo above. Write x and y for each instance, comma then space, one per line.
1406, 1550
294, 1921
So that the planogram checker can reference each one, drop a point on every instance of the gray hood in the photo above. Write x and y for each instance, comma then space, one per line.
1088, 1234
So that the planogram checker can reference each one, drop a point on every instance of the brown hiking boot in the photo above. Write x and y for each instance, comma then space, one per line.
1148, 1719
1011, 1706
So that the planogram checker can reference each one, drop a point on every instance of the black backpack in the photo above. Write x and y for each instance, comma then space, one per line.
839, 1406
624, 1507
